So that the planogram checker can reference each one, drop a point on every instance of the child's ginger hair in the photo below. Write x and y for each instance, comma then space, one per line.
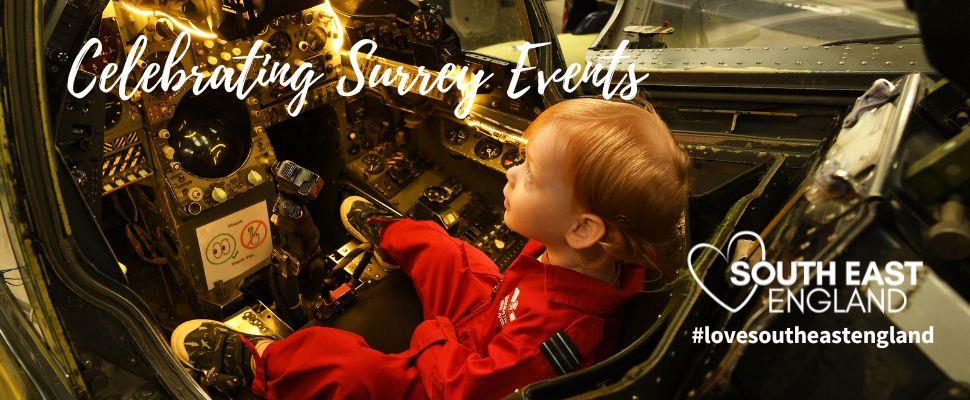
624, 166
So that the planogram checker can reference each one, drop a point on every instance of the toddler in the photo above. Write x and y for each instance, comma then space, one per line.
602, 185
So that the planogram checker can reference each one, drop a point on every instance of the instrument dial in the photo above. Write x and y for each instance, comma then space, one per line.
488, 148
315, 39
159, 57
427, 25
112, 111
110, 51
456, 137
512, 158
373, 164
205, 135
280, 45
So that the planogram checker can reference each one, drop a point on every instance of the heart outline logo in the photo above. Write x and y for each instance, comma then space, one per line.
700, 282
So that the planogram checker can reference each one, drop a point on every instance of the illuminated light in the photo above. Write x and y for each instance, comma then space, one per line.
326, 8
185, 26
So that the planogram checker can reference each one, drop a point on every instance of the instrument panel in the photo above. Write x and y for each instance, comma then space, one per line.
197, 167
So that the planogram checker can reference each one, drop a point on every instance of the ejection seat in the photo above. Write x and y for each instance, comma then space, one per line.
653, 320
643, 320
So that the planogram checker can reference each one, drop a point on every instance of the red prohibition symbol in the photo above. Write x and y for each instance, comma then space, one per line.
253, 234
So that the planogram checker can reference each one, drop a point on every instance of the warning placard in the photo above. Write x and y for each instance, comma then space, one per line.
235, 243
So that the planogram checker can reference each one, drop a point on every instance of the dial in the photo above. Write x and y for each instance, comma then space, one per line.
373, 164
205, 135
427, 25
112, 111
308, 18
353, 149
110, 51
315, 39
400, 168
280, 45
456, 137
159, 57
488, 148
512, 158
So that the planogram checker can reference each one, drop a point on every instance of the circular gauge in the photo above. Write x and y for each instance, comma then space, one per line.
315, 39
488, 148
512, 158
353, 149
280, 45
400, 169
159, 58
110, 50
112, 111
456, 137
427, 25
373, 164
210, 135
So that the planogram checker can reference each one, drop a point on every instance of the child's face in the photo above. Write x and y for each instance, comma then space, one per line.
538, 201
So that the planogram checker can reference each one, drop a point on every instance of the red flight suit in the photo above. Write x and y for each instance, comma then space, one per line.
483, 336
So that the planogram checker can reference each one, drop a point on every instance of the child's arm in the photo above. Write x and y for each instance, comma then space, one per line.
450, 276
513, 358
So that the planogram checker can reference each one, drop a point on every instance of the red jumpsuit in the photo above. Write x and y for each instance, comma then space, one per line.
483, 336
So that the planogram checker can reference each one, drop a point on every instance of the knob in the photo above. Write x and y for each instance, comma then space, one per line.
254, 178
219, 195
168, 151
225, 56
164, 133
499, 244
212, 60
195, 194
165, 29
209, 44
236, 51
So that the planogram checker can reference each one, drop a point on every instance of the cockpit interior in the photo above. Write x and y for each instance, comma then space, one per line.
185, 188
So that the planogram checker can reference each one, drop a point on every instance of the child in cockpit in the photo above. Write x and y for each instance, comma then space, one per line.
602, 185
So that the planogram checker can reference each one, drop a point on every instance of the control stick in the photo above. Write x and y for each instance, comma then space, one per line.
296, 238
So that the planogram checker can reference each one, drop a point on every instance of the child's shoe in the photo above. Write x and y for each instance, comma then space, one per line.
356, 212
218, 352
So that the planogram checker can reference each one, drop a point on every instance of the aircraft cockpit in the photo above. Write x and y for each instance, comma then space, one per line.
191, 128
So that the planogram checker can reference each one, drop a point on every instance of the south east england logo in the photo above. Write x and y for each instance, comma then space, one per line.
812, 286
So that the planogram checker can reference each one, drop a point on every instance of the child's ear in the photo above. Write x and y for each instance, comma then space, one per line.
588, 230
